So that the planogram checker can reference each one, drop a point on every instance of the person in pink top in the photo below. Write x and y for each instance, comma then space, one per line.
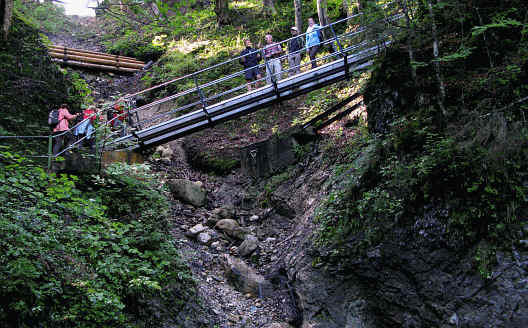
64, 117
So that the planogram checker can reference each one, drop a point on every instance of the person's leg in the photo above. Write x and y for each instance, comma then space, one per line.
277, 67
291, 65
312, 52
297, 62
268, 73
57, 146
248, 76
258, 83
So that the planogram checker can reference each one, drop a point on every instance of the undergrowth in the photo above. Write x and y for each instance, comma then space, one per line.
90, 252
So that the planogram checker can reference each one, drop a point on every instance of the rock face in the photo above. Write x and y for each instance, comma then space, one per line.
188, 191
410, 280
269, 156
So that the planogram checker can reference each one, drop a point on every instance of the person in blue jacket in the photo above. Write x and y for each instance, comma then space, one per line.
312, 40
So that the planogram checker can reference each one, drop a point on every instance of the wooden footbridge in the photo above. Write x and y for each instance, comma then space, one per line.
94, 60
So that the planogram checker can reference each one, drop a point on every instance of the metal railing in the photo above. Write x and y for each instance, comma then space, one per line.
206, 91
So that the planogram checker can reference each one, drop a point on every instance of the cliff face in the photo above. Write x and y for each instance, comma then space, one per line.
422, 222
418, 275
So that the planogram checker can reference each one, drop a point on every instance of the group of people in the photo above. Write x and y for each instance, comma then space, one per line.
85, 127
250, 57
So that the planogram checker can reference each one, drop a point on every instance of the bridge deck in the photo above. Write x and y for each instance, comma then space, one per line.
251, 101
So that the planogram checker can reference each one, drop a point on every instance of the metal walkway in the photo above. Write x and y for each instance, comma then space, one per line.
252, 101
207, 104
218, 93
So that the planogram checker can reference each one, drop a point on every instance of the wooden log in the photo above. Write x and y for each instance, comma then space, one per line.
88, 51
96, 66
85, 54
61, 55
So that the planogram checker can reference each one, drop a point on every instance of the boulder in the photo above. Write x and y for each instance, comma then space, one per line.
164, 152
204, 238
197, 229
278, 325
224, 212
232, 228
227, 225
244, 278
248, 246
188, 191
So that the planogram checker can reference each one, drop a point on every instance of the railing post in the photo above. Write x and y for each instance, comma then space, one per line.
202, 100
50, 150
345, 56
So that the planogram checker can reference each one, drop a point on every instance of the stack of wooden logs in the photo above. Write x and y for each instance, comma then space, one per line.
95, 60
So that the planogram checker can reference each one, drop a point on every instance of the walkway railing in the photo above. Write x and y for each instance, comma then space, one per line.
215, 84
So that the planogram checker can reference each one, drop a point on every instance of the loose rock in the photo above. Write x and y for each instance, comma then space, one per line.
248, 246
188, 191
204, 238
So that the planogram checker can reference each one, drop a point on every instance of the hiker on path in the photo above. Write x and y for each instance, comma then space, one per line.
86, 128
250, 58
294, 52
119, 116
272, 52
312, 40
61, 130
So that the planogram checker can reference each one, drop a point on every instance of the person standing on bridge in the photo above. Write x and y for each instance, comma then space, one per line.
249, 59
61, 130
272, 52
313, 40
294, 52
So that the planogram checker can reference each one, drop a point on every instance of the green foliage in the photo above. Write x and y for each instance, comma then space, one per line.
215, 163
73, 258
46, 16
79, 92
31, 85
134, 44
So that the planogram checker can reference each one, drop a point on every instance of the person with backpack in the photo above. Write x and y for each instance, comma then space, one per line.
313, 40
86, 127
119, 117
249, 58
61, 129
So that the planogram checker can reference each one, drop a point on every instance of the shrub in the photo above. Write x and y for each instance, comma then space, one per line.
72, 258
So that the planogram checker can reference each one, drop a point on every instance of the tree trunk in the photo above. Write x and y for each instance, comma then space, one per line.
439, 79
298, 15
410, 38
6, 11
268, 7
323, 16
222, 12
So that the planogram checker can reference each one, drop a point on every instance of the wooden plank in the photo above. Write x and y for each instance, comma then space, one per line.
96, 66
86, 54
94, 60
88, 51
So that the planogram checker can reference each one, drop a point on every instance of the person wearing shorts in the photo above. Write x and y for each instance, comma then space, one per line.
249, 58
